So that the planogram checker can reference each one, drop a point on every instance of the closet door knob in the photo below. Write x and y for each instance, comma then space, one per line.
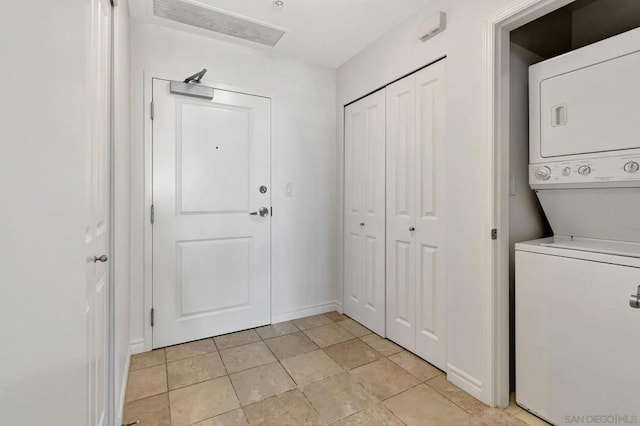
362, 224
412, 229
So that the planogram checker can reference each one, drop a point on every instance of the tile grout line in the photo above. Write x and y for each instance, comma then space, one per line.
297, 387
235, 392
148, 396
449, 399
134, 356
381, 402
395, 415
278, 361
344, 370
349, 370
146, 368
421, 382
425, 382
204, 381
166, 366
280, 335
281, 366
388, 357
402, 391
192, 357
126, 403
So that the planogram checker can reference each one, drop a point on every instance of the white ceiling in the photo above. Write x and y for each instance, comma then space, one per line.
322, 32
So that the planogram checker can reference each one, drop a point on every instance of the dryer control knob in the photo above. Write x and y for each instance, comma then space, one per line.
584, 170
543, 173
631, 167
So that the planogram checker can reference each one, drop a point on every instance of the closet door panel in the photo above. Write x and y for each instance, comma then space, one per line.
401, 202
352, 274
355, 121
364, 283
430, 227
373, 308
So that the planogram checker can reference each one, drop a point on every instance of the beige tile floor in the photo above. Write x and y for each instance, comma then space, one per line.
321, 370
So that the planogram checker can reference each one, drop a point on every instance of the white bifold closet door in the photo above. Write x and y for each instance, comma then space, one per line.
416, 293
364, 247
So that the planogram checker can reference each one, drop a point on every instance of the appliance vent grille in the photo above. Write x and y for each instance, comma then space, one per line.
217, 21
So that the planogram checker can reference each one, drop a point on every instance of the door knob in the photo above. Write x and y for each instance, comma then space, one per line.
362, 224
634, 302
412, 229
263, 211
102, 258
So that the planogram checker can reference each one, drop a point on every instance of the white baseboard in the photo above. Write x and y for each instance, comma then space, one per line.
306, 311
465, 381
137, 347
123, 388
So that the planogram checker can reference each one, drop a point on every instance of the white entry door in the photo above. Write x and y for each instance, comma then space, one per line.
212, 214
97, 228
364, 249
416, 287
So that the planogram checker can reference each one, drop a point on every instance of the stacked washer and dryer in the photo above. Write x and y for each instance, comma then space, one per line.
578, 293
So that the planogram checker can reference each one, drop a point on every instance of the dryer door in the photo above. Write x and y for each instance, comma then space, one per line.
592, 109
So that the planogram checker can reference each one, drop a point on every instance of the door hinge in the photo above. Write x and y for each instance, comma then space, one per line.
153, 214
153, 317
271, 210
152, 110
494, 234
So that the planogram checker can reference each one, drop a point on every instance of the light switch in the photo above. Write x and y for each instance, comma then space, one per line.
288, 189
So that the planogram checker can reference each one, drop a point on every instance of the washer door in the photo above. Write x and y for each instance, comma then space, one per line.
577, 346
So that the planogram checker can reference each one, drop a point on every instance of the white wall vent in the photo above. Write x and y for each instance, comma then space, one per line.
214, 20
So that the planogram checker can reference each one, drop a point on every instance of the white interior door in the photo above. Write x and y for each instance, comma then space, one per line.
97, 230
401, 201
431, 295
364, 248
416, 290
211, 257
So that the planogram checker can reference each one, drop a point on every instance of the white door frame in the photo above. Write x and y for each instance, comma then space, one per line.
113, 394
148, 187
495, 187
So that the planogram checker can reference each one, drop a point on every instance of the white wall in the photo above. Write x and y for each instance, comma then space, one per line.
122, 208
303, 152
44, 120
392, 56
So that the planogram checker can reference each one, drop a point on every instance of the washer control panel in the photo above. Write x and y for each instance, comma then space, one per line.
595, 170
